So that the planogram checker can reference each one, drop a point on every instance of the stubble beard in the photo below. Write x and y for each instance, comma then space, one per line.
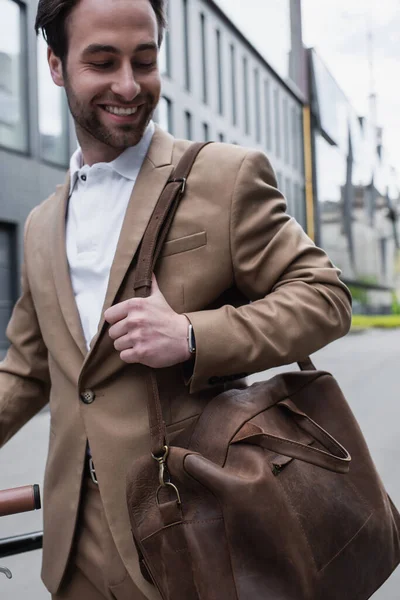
118, 138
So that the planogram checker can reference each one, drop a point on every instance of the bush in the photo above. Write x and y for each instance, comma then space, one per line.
381, 321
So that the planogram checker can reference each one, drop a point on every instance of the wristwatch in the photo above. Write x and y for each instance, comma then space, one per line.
191, 339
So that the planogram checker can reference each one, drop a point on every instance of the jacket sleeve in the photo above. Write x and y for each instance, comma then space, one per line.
24, 373
297, 302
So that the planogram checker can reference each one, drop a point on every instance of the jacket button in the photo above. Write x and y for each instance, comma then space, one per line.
87, 396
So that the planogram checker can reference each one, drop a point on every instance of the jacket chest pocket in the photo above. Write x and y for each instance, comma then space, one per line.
184, 244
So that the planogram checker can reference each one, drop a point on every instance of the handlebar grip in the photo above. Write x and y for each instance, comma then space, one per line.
18, 500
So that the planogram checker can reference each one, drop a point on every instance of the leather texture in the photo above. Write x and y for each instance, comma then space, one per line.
260, 518
257, 500
245, 247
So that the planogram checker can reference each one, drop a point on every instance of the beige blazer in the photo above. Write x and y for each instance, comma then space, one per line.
231, 241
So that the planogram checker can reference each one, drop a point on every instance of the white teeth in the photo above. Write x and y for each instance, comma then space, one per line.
121, 111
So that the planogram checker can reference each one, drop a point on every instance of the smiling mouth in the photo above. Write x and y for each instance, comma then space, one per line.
121, 112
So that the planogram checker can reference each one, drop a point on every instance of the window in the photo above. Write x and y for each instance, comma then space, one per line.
257, 107
267, 112
204, 57
53, 113
221, 137
13, 90
188, 125
233, 84
295, 152
277, 124
164, 57
288, 194
206, 132
165, 114
186, 53
220, 73
286, 129
7, 280
299, 203
246, 96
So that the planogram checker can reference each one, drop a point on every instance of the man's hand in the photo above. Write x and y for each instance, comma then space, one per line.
148, 331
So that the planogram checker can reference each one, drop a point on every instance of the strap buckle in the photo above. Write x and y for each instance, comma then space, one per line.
182, 181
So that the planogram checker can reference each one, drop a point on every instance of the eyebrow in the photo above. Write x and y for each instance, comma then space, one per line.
99, 48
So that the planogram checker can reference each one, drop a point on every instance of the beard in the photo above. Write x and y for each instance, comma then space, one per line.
118, 137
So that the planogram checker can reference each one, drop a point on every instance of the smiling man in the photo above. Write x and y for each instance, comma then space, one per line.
79, 339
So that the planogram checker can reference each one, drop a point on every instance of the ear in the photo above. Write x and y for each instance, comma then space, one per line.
56, 68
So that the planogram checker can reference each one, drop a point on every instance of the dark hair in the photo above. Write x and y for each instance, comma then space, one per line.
52, 14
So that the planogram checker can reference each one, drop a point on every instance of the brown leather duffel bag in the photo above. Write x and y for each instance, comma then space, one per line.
257, 501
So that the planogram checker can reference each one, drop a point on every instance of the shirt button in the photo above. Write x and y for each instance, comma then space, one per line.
83, 177
87, 396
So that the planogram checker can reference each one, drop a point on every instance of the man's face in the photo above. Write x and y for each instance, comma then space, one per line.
110, 75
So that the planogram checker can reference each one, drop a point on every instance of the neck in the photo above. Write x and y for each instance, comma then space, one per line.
94, 151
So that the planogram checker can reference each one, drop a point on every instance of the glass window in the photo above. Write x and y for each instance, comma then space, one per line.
221, 137
188, 125
246, 96
206, 132
257, 108
299, 204
233, 85
285, 111
277, 123
13, 90
204, 57
267, 25
164, 57
288, 196
219, 71
267, 112
295, 141
7, 280
164, 114
186, 43
53, 113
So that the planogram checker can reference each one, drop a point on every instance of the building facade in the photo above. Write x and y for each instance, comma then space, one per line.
357, 193
217, 85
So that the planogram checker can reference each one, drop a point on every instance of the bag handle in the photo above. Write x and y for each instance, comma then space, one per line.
335, 458
150, 248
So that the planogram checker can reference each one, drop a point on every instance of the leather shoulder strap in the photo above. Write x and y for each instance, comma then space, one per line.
161, 220
152, 243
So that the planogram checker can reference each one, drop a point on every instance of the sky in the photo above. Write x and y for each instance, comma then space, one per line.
339, 30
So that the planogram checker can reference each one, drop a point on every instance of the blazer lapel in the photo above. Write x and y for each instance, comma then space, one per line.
152, 178
60, 266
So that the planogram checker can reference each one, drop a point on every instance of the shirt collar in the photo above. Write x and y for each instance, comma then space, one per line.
127, 164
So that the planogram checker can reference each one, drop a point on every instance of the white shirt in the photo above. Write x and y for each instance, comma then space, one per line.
99, 197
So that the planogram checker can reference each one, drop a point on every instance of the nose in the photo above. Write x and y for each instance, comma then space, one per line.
125, 85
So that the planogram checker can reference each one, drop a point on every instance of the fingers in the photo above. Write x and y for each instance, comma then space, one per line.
119, 329
124, 343
118, 312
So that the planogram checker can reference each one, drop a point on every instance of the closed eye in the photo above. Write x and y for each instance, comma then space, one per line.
102, 65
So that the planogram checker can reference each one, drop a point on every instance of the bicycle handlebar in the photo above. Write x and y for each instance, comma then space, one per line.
18, 500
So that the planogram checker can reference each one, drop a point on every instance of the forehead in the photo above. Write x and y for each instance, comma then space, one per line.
109, 21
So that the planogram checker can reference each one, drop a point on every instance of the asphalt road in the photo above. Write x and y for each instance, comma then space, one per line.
367, 368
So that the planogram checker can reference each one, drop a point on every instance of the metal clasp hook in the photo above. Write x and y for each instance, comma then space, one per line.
165, 482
